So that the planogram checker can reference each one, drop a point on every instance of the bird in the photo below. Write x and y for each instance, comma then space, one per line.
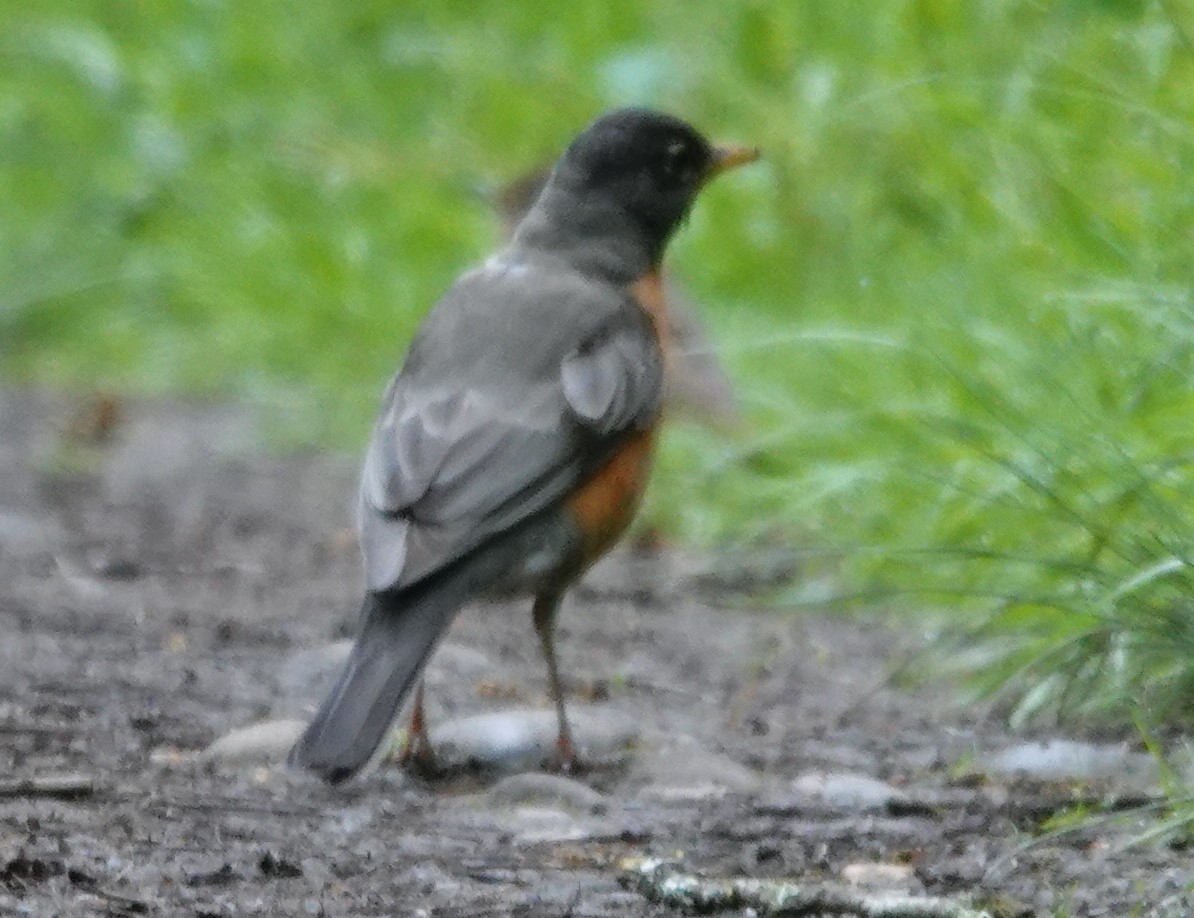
695, 384
513, 446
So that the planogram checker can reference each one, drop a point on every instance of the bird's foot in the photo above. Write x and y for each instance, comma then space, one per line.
564, 760
418, 757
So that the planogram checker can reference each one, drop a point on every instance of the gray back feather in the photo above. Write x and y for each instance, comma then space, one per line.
521, 382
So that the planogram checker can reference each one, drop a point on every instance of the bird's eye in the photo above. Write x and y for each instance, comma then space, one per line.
677, 161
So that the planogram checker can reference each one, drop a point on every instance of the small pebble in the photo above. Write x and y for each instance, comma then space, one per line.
1067, 760
854, 793
523, 740
879, 876
540, 788
687, 771
266, 743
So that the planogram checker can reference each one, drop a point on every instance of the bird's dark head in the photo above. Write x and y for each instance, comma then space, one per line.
643, 169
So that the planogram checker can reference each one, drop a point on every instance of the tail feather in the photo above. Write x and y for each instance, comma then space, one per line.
398, 631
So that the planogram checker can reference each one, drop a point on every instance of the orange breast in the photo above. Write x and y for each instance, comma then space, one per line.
605, 504
648, 290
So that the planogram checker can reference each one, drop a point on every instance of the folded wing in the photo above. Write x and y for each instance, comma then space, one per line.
519, 387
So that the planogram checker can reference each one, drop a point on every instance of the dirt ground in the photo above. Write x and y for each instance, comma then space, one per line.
177, 582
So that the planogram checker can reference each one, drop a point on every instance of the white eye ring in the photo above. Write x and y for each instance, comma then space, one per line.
675, 151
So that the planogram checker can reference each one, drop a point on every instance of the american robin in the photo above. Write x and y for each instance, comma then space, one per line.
514, 444
695, 384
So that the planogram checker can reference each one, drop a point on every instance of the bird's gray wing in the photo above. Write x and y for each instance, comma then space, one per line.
519, 386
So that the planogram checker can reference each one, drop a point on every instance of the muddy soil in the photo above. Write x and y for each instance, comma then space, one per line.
164, 580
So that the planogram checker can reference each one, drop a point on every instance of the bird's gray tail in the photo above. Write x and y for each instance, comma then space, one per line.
398, 631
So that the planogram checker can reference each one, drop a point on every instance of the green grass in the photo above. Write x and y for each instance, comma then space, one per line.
956, 295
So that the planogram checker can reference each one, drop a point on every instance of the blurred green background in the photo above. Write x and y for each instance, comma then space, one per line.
956, 297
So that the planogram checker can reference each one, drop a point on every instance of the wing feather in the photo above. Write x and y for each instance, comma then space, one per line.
477, 435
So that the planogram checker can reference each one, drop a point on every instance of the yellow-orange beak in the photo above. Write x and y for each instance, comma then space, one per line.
730, 157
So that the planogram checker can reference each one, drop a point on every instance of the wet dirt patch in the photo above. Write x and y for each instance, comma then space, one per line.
176, 583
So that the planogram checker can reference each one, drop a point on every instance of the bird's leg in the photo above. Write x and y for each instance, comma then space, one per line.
416, 748
544, 611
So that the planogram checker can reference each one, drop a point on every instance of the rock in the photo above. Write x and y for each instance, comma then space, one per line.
540, 788
1067, 760
24, 536
688, 771
880, 876
848, 792
266, 743
522, 740
171, 756
528, 824
544, 825
80, 579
